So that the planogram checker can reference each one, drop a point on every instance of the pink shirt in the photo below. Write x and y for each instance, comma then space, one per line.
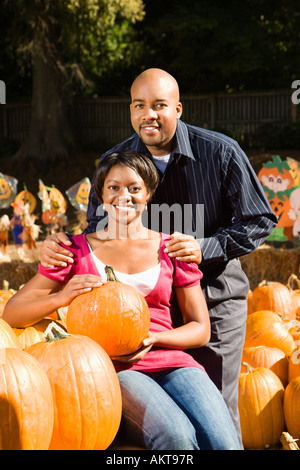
173, 273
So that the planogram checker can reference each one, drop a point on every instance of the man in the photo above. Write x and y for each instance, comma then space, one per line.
198, 168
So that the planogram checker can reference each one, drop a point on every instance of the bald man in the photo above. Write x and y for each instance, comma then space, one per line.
155, 109
198, 168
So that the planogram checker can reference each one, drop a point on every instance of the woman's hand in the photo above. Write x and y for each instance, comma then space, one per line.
134, 357
79, 284
147, 344
184, 248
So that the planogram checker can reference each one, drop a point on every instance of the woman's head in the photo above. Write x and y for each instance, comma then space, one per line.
137, 162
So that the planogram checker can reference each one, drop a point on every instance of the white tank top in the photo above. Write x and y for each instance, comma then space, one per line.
144, 282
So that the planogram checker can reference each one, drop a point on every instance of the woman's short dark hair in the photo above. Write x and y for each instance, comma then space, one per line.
138, 162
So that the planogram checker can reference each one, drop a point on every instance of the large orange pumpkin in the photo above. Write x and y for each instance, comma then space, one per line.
265, 328
114, 315
8, 338
292, 407
86, 390
260, 407
26, 404
270, 358
273, 296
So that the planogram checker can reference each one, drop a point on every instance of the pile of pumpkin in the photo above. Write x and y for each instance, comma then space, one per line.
58, 387
269, 385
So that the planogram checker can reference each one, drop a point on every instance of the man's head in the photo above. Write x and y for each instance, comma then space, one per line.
155, 109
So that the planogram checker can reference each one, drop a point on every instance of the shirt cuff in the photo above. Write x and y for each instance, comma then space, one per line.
211, 249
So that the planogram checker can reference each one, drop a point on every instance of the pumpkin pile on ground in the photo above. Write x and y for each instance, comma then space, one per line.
269, 386
60, 393
82, 385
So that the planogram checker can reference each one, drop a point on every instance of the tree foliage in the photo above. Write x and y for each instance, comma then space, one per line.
62, 40
209, 45
212, 45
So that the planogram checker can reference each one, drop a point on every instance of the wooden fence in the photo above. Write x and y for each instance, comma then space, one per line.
105, 121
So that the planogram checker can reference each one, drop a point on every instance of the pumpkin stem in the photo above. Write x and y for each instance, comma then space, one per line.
265, 283
288, 442
290, 280
248, 367
5, 285
110, 274
54, 333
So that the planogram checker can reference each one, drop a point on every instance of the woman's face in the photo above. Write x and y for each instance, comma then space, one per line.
124, 194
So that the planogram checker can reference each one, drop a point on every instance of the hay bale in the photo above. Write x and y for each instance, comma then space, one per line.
17, 272
272, 264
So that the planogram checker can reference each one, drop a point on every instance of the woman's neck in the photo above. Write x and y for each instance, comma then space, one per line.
133, 231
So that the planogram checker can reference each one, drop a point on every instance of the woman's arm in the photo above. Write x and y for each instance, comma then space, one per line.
42, 296
195, 331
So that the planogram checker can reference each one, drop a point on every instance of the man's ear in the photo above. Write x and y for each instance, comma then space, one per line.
179, 110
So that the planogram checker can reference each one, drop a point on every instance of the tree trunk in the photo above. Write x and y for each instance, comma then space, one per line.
49, 137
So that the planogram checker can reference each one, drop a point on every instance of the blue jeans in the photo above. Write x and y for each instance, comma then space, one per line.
178, 409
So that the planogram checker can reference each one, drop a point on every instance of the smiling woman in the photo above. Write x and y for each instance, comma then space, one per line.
125, 182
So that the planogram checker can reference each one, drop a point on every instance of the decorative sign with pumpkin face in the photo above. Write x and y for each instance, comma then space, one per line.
279, 181
82, 195
28, 198
58, 204
8, 190
281, 206
78, 194
276, 175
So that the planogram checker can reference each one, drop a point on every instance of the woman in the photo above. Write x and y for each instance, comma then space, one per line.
169, 402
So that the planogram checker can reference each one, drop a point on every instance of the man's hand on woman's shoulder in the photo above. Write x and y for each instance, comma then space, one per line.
52, 253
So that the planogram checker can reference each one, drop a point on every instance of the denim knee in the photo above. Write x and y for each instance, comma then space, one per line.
177, 437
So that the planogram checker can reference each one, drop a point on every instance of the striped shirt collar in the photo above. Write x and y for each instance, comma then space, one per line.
181, 145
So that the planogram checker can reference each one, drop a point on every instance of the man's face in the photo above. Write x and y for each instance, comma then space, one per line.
155, 109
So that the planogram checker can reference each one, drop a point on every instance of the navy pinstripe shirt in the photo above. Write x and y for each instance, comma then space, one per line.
209, 169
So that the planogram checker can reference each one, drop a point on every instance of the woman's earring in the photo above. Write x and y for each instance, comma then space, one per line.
103, 207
